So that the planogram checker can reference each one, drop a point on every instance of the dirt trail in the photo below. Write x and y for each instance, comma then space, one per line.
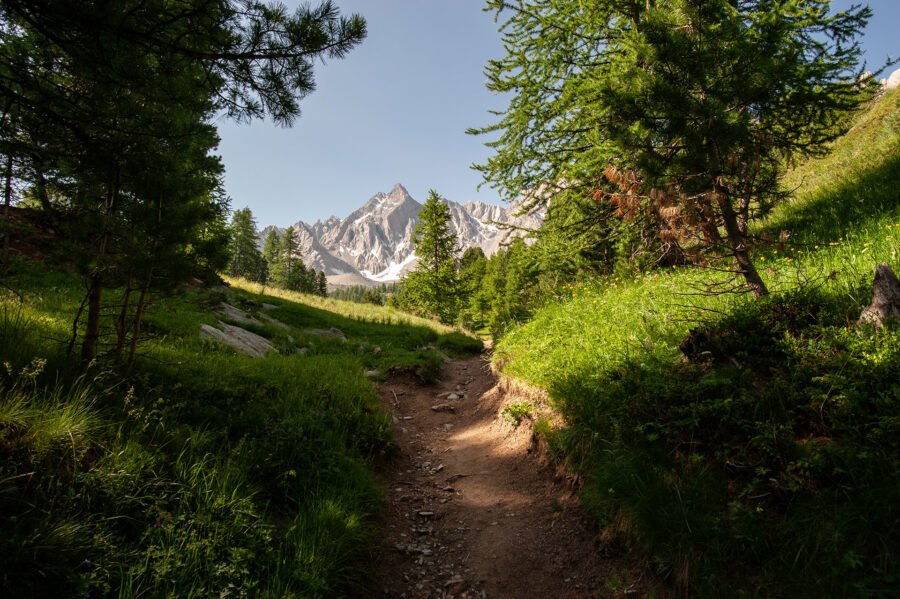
471, 512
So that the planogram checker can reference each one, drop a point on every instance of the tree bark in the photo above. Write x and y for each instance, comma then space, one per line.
737, 242
7, 200
96, 282
121, 328
737, 239
138, 316
92, 327
885, 304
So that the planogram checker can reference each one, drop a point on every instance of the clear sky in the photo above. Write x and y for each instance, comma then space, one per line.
395, 110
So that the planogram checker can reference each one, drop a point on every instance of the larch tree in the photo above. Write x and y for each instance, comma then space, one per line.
688, 109
433, 288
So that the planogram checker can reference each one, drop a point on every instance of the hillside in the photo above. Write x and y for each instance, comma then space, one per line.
201, 471
757, 456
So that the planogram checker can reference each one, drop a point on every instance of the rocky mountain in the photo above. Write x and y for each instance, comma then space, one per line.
374, 243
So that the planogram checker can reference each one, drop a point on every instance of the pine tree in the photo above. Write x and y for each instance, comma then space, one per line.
246, 259
472, 270
111, 107
687, 109
270, 255
321, 284
433, 288
291, 271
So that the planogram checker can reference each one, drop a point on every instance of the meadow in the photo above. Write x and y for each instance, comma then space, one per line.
199, 471
739, 447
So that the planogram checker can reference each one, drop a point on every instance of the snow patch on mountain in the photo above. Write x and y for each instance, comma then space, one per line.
373, 244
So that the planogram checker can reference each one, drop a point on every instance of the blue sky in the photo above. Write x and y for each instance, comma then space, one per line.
395, 110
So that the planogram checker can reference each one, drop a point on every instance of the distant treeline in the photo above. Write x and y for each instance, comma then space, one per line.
278, 264
366, 295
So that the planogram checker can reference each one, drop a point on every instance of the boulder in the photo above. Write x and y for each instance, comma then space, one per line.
243, 341
885, 304
236, 314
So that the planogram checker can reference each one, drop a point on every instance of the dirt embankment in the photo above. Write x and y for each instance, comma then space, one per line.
471, 511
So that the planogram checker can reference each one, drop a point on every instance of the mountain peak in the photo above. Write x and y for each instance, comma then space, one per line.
374, 243
398, 188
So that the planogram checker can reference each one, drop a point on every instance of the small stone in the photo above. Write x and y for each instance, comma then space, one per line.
426, 514
444, 407
376, 350
372, 373
453, 397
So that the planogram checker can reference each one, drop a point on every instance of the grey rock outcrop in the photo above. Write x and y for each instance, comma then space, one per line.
242, 340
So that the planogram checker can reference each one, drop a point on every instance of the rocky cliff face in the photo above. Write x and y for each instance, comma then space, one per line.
374, 244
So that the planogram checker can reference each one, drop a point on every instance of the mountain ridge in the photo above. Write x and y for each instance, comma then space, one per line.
373, 244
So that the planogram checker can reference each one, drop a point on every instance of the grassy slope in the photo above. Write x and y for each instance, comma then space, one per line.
202, 472
678, 456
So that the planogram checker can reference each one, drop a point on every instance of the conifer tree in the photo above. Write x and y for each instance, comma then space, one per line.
270, 255
291, 272
686, 108
472, 269
246, 259
321, 284
433, 288
113, 104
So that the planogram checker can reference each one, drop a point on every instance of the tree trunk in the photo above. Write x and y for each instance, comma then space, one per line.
92, 327
737, 239
75, 322
737, 245
138, 316
885, 304
121, 328
95, 282
7, 200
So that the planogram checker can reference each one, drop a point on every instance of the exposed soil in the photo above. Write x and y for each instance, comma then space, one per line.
472, 510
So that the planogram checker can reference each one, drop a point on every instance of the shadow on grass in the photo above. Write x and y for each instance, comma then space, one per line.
839, 209
769, 465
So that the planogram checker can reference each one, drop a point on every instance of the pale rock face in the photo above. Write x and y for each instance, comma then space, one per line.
374, 244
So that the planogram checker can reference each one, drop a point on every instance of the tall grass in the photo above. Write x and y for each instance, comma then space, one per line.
766, 465
200, 472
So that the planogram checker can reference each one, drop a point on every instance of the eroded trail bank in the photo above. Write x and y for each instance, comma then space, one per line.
471, 511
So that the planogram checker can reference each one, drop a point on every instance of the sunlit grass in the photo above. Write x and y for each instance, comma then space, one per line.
355, 310
777, 456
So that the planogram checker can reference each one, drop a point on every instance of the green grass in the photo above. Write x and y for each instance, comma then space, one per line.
768, 465
201, 472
